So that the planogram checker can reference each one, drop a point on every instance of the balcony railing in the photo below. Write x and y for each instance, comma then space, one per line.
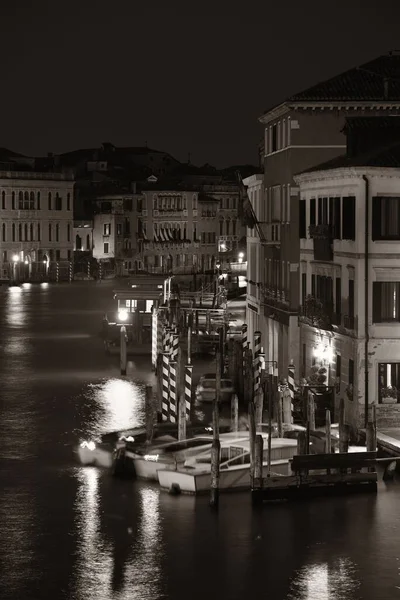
318, 314
278, 298
323, 241
349, 322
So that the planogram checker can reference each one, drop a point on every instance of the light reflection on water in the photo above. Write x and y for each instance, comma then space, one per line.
326, 581
92, 573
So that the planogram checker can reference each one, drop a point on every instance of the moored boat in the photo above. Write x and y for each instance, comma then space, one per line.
194, 477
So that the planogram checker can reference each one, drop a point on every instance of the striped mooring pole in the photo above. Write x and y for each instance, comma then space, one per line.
291, 386
167, 338
70, 271
188, 390
57, 272
159, 334
154, 339
88, 269
172, 392
165, 387
100, 270
174, 347
244, 343
257, 362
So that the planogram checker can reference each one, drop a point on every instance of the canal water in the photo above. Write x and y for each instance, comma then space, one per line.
73, 532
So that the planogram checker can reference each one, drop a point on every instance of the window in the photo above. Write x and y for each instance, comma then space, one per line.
233, 227
349, 218
32, 201
338, 298
303, 287
274, 138
119, 228
3, 200
20, 200
351, 371
78, 242
68, 232
58, 254
13, 200
106, 228
351, 298
49, 201
386, 218
302, 219
5, 256
26, 232
3, 227
68, 201
13, 232
312, 211
38, 201
105, 247
69, 254
57, 232
322, 211
31, 232
58, 202
388, 376
20, 232
324, 292
38, 232
149, 305
50, 232
221, 228
386, 301
338, 366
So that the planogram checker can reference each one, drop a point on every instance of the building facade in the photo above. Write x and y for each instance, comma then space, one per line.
255, 268
115, 231
350, 284
36, 221
304, 131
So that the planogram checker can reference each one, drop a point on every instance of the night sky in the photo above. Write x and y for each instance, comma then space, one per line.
181, 76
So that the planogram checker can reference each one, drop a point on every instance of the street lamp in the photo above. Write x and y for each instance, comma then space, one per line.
240, 257
15, 258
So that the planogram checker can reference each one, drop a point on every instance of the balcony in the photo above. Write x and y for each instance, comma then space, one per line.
323, 241
317, 314
349, 322
277, 298
168, 245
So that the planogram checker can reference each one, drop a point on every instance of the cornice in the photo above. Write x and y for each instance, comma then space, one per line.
274, 113
348, 173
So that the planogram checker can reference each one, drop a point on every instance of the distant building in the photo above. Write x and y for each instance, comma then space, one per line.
36, 221
114, 231
304, 131
349, 227
83, 236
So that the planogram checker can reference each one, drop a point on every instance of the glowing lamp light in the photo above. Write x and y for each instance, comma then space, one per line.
323, 352
15, 258
89, 445
241, 255
151, 457
123, 315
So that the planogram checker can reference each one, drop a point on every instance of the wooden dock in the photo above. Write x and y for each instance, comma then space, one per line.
319, 475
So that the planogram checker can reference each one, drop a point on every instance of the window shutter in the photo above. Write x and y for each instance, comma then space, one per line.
376, 217
337, 219
338, 296
376, 302
312, 211
302, 219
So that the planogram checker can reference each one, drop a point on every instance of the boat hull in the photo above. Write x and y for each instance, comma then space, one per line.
235, 478
99, 457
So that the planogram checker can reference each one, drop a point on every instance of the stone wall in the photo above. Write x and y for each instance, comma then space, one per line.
387, 415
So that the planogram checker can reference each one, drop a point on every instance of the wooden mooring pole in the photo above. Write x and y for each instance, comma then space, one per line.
216, 445
123, 353
343, 429
328, 432
252, 438
235, 413
149, 412
257, 481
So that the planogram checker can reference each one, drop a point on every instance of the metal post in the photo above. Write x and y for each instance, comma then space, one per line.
123, 354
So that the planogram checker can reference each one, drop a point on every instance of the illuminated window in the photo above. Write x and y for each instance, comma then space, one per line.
149, 304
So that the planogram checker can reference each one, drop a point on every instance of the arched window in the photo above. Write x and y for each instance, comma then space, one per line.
38, 232
31, 201
26, 232
50, 232
68, 232
31, 232
20, 200
20, 232
57, 232
78, 242
3, 227
38, 201
49, 199
3, 200
13, 200
13, 232
88, 242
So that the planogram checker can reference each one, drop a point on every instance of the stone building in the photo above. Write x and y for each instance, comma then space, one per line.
349, 229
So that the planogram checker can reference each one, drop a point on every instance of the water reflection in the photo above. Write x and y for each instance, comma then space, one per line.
119, 403
94, 562
326, 581
15, 313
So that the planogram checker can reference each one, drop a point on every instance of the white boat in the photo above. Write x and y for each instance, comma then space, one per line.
172, 455
194, 477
